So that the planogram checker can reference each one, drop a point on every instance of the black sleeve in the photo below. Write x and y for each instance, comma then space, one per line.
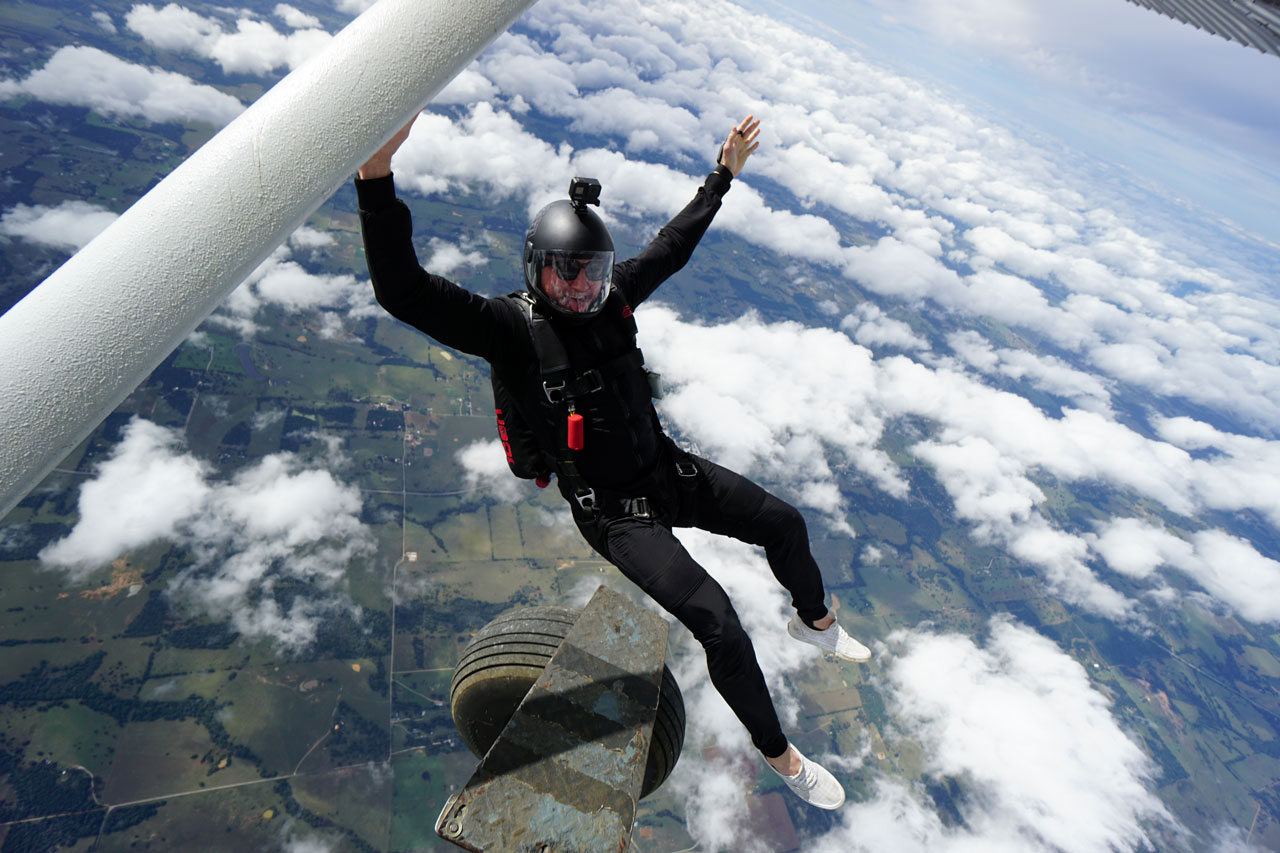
640, 276
430, 303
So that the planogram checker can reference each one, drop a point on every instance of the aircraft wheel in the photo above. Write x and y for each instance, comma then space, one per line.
506, 657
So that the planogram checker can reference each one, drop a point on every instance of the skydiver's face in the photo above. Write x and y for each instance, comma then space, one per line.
575, 295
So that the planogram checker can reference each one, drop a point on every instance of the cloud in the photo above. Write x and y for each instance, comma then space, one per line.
307, 237
1041, 761
88, 77
484, 467
1015, 722
1227, 567
142, 493
283, 281
255, 47
69, 226
446, 258
277, 523
1136, 548
468, 87
872, 328
807, 408
737, 391
352, 7
1043, 372
103, 20
294, 837
295, 18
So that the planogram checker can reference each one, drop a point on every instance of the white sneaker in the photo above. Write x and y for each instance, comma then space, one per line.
834, 639
814, 784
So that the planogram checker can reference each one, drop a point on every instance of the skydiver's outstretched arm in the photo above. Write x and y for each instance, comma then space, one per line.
671, 249
452, 315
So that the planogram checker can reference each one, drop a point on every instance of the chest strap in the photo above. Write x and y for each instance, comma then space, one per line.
563, 387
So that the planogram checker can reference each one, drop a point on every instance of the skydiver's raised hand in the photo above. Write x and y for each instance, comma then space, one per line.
740, 144
379, 165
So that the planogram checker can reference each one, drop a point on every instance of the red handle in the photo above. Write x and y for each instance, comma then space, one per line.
575, 431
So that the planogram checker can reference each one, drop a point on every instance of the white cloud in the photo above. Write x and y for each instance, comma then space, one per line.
294, 837
470, 86
739, 391
70, 225
144, 492
1136, 548
254, 47
307, 237
1232, 571
446, 258
1046, 373
279, 520
296, 18
1227, 567
103, 20
1041, 761
804, 407
352, 7
88, 77
484, 466
282, 281
871, 327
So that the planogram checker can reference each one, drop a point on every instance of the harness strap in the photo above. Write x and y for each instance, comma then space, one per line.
552, 358
559, 382
561, 388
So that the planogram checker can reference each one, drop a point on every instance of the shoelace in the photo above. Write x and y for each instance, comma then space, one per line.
805, 778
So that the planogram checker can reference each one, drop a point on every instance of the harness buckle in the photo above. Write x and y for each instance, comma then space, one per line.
638, 508
586, 499
555, 393
591, 382
685, 468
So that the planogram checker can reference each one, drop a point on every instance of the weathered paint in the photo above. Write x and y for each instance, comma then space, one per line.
565, 774
77, 345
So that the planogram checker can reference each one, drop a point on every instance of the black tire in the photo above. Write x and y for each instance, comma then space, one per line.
498, 667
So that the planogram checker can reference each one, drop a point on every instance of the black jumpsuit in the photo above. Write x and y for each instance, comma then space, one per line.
625, 454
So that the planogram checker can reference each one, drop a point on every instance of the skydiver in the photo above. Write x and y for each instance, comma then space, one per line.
626, 482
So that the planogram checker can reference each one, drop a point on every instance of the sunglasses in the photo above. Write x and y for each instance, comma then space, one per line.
568, 268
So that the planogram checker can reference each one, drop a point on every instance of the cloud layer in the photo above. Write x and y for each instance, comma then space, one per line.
253, 47
1042, 762
68, 226
281, 521
88, 77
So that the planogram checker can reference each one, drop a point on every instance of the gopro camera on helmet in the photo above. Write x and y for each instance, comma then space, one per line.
584, 191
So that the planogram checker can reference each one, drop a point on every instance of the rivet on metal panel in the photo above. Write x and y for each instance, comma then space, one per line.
453, 829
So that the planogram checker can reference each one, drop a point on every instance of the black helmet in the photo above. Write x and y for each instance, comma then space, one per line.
568, 254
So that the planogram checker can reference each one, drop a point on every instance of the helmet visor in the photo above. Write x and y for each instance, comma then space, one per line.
573, 282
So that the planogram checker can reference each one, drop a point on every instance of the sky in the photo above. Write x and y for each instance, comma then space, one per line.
980, 222
1190, 111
